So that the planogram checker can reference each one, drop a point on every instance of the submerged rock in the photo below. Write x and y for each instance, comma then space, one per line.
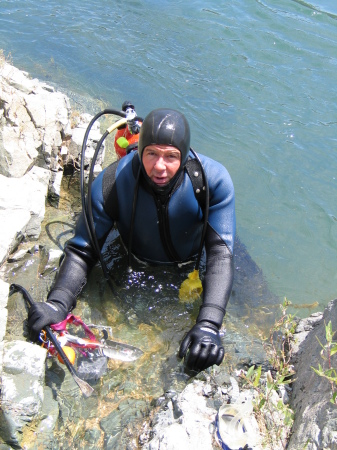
49, 415
22, 388
118, 425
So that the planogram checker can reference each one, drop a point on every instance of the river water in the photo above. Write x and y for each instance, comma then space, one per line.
257, 81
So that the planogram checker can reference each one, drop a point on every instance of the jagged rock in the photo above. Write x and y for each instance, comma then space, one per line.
35, 134
55, 187
75, 145
315, 417
18, 150
36, 119
186, 422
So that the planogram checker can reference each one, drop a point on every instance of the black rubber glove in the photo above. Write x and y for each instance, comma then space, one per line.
62, 298
45, 313
204, 345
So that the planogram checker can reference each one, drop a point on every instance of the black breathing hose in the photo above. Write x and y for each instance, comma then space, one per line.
87, 203
84, 146
90, 218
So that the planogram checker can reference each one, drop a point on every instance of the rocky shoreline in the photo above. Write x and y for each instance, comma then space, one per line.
40, 136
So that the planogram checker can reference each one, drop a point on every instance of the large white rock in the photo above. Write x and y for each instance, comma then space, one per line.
34, 119
13, 229
18, 150
191, 430
22, 208
18, 78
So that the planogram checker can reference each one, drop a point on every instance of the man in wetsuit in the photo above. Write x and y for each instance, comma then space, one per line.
150, 196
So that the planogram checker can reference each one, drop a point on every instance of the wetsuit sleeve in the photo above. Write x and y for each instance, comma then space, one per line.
72, 276
79, 255
219, 244
218, 279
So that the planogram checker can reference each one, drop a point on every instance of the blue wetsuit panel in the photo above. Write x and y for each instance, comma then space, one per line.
222, 200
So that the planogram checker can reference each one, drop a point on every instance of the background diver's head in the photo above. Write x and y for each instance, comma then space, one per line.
165, 127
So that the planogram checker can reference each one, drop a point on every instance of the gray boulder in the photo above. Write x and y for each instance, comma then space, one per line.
22, 390
315, 425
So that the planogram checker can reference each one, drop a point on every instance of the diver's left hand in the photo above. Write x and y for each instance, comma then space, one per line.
204, 345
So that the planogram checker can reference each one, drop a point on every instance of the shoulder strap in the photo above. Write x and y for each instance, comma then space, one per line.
109, 187
195, 173
109, 191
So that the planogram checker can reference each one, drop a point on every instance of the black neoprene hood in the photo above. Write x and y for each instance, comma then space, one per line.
165, 127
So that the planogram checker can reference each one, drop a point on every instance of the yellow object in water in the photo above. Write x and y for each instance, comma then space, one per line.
191, 288
70, 353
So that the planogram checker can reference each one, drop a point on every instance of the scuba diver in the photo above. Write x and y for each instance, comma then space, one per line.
167, 203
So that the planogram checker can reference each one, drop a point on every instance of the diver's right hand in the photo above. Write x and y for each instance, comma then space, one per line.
45, 313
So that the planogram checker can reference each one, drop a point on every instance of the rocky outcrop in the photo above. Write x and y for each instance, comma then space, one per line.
34, 122
39, 137
315, 416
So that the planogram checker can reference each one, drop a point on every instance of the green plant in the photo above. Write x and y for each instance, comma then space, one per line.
328, 350
274, 416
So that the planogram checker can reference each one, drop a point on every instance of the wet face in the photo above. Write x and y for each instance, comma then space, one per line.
161, 163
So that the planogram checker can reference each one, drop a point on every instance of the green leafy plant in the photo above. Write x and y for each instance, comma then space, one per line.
328, 350
274, 416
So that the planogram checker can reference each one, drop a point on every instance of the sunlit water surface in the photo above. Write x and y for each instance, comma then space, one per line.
257, 81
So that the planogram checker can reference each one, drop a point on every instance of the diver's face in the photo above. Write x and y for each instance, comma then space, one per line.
161, 163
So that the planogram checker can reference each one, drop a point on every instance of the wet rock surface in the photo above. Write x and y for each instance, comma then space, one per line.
316, 417
186, 421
